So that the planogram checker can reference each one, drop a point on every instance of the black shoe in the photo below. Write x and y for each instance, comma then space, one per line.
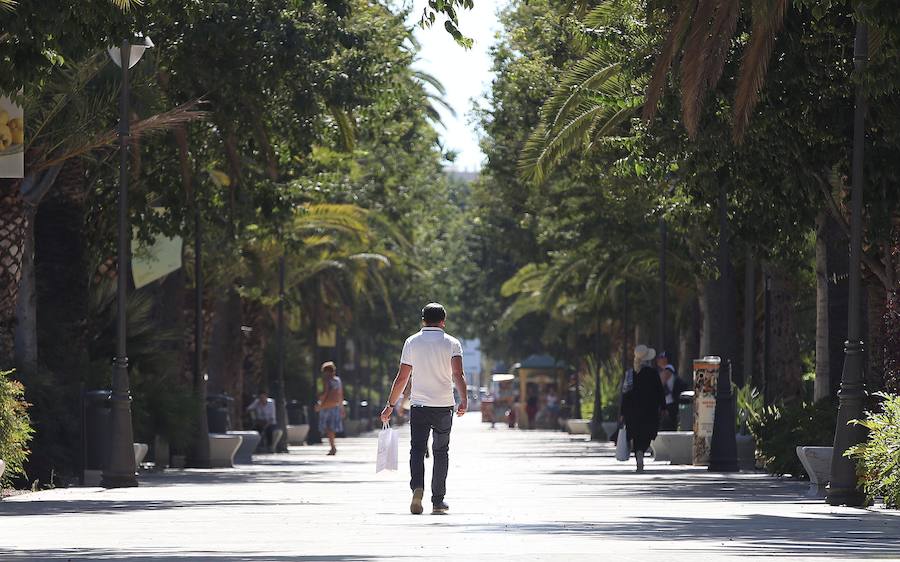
439, 508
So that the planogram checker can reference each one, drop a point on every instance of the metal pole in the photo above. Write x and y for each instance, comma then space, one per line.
723, 447
200, 450
843, 487
281, 404
120, 472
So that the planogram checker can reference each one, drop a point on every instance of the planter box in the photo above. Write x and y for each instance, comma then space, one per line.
249, 441
296, 434
222, 448
673, 446
578, 427
140, 451
817, 462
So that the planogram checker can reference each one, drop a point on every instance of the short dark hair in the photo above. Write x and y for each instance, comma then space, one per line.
433, 313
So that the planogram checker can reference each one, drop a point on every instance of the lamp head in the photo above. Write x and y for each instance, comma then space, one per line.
139, 44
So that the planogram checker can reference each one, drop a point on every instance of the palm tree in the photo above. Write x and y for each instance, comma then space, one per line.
71, 117
702, 32
592, 100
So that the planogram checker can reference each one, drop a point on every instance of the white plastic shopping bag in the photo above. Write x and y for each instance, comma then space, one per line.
388, 449
622, 452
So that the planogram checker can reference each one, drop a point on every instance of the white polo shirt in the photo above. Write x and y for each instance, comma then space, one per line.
428, 353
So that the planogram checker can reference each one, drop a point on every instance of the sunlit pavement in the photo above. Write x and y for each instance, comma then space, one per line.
513, 495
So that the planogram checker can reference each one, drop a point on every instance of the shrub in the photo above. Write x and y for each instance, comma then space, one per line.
878, 458
15, 427
778, 430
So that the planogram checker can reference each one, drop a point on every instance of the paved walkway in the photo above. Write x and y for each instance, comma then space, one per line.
514, 495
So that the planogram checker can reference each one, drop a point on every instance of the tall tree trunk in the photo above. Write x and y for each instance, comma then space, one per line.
823, 358
749, 332
786, 377
62, 272
705, 303
876, 338
255, 341
26, 352
689, 342
892, 317
226, 356
13, 223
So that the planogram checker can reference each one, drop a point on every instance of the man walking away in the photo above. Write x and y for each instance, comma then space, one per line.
435, 360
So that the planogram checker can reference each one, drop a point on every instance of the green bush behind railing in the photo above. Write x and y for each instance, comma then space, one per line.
878, 458
15, 427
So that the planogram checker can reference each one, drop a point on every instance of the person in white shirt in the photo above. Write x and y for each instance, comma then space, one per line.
434, 359
262, 413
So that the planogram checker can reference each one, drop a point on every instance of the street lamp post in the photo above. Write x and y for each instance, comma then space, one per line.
723, 447
120, 469
843, 488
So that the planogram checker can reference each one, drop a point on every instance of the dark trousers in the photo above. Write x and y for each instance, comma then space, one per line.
265, 430
437, 421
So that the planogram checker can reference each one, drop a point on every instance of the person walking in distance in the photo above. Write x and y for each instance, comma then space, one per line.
331, 405
642, 403
434, 359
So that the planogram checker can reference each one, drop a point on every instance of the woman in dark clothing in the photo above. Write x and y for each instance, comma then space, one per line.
642, 403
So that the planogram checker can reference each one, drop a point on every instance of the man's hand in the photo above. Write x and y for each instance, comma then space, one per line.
386, 414
463, 406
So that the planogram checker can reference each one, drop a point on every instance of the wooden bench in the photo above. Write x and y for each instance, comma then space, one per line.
222, 448
673, 446
817, 462
249, 441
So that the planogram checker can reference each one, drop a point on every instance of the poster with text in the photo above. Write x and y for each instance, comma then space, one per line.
12, 139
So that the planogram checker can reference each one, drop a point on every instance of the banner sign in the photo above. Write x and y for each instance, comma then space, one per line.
706, 376
12, 139
149, 263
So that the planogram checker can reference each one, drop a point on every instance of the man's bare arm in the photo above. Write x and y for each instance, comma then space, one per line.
459, 379
400, 381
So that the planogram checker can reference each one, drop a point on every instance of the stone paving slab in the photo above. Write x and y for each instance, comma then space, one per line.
514, 495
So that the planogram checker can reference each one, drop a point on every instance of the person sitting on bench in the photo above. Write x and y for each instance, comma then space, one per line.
262, 412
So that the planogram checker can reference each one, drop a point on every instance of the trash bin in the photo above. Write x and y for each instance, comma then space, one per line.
95, 435
218, 412
295, 413
686, 411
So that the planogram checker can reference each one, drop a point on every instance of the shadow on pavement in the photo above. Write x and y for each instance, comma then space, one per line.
64, 507
86, 555
837, 535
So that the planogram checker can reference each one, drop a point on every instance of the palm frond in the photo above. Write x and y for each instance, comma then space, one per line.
768, 18
663, 64
8, 5
184, 113
543, 151
346, 127
126, 5
431, 80
694, 64
590, 73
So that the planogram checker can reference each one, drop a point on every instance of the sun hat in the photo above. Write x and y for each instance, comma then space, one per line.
643, 354
328, 365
